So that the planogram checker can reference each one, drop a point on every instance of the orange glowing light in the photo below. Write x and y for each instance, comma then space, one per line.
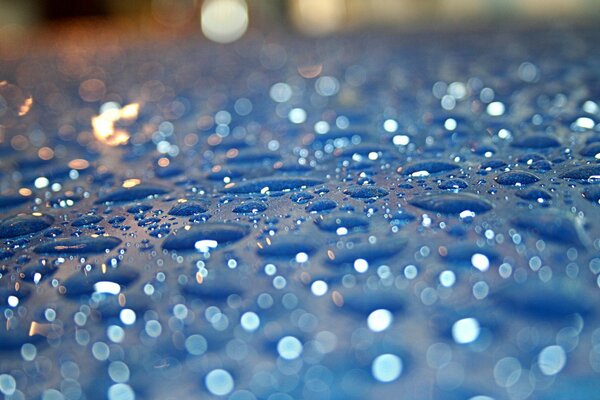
26, 106
163, 162
337, 298
46, 153
104, 124
122, 300
310, 71
79, 163
129, 183
25, 192
37, 328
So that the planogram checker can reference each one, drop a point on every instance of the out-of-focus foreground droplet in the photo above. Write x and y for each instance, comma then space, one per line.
224, 21
316, 17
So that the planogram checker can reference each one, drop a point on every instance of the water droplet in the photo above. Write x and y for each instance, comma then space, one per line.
452, 203
386, 368
187, 208
79, 245
552, 360
222, 233
86, 220
427, 167
263, 185
584, 172
132, 193
517, 178
381, 249
536, 142
250, 207
321, 205
219, 382
555, 225
350, 222
365, 192
24, 224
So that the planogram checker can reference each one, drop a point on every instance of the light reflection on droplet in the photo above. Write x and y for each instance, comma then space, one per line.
219, 382
319, 288
465, 330
480, 261
552, 360
250, 321
379, 320
289, 348
386, 368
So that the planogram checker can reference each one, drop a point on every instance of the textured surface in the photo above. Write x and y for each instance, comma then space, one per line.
372, 216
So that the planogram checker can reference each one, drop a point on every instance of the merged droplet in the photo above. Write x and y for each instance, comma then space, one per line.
108, 281
427, 167
534, 194
287, 246
382, 248
536, 142
132, 193
78, 245
264, 185
187, 208
8, 201
219, 232
452, 203
554, 300
321, 205
86, 220
250, 207
516, 178
366, 192
24, 224
584, 172
592, 193
348, 221
554, 225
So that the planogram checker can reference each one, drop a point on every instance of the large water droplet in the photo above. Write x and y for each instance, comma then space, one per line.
130, 194
452, 203
24, 224
222, 233
264, 185
79, 245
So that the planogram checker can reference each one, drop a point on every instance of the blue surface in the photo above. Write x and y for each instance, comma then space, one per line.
244, 241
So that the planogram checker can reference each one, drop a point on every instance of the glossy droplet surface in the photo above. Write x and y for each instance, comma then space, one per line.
452, 203
24, 224
516, 178
271, 184
583, 172
554, 225
366, 192
130, 194
428, 167
80, 245
222, 233
187, 208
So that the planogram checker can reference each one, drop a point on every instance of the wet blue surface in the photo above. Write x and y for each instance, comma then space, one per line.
420, 219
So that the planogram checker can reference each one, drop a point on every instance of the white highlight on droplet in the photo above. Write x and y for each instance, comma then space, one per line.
465, 330
379, 320
552, 360
107, 287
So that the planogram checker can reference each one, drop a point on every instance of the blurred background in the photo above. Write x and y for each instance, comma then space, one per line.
48, 24
228, 20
